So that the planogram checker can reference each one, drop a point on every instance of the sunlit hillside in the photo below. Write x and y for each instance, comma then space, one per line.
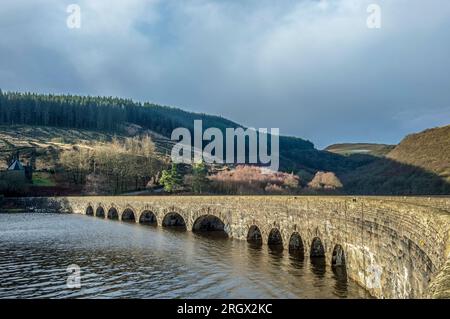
429, 150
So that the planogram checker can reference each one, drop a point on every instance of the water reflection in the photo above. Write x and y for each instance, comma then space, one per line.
276, 255
127, 260
297, 262
318, 266
341, 283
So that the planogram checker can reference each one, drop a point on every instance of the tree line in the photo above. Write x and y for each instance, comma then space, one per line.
111, 114
82, 112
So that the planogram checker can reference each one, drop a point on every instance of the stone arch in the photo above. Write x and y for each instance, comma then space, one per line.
275, 240
296, 247
254, 236
210, 225
173, 219
89, 211
128, 215
207, 223
100, 212
317, 249
338, 257
192, 216
148, 217
113, 214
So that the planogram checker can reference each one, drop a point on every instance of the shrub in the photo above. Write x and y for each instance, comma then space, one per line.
326, 181
245, 179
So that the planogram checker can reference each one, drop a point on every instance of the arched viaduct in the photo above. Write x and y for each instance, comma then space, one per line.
395, 247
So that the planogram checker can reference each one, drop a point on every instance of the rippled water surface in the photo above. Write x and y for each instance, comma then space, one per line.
133, 261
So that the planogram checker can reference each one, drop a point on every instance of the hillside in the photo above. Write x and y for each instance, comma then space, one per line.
418, 165
114, 116
50, 124
360, 148
429, 150
109, 114
47, 143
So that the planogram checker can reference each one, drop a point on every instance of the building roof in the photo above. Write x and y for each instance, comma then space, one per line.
15, 166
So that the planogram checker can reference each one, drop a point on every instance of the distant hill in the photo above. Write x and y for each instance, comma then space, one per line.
419, 165
360, 148
111, 115
51, 123
429, 150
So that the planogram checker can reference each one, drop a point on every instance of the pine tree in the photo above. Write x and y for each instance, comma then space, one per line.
200, 180
171, 179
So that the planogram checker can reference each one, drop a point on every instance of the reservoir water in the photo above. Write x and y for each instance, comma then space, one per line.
123, 260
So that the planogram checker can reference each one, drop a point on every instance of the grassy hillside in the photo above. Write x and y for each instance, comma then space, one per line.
50, 124
74, 161
417, 165
48, 142
109, 114
360, 148
115, 116
420, 164
429, 150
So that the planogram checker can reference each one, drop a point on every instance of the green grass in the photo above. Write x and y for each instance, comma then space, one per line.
43, 179
360, 148
12, 210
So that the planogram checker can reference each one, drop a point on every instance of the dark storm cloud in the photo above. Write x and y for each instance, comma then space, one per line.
311, 68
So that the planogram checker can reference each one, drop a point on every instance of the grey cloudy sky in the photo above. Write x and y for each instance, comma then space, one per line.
310, 67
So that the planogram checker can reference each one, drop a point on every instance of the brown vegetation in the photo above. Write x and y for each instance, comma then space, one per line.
325, 181
245, 179
112, 167
71, 161
429, 150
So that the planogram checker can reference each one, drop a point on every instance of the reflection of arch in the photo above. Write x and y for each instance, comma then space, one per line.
338, 258
317, 249
100, 212
254, 235
148, 218
89, 211
128, 215
296, 245
113, 214
318, 266
275, 240
174, 220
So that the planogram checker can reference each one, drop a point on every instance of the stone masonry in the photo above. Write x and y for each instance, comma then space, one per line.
395, 247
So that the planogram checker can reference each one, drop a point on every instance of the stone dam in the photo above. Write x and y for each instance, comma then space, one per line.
395, 247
